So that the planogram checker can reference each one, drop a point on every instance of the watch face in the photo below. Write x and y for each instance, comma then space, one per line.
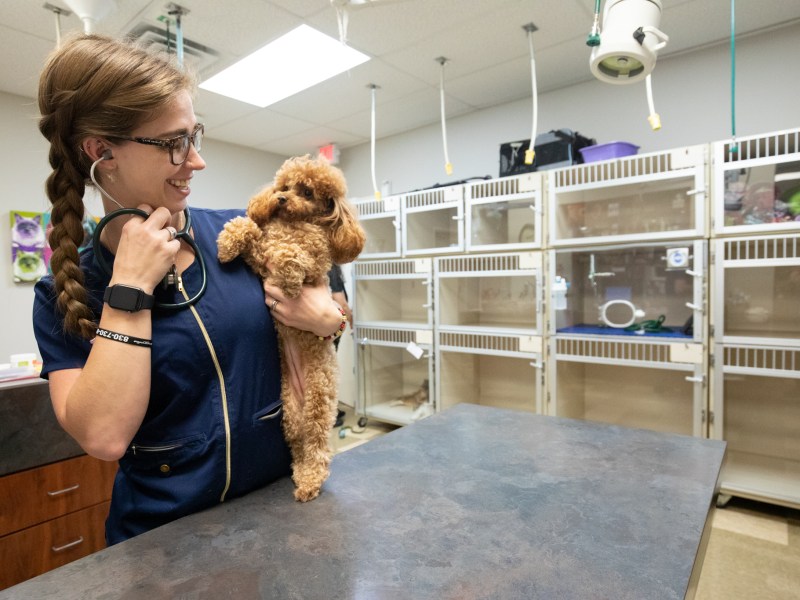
125, 298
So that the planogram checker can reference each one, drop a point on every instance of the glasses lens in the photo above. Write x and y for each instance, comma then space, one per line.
180, 149
197, 138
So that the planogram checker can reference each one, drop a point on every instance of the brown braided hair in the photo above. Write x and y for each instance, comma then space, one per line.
92, 86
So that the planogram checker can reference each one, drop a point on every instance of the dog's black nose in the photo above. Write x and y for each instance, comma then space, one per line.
281, 199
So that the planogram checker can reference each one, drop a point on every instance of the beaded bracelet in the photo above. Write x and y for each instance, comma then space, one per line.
125, 339
338, 333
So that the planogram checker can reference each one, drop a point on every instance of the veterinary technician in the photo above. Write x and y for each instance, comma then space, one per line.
155, 357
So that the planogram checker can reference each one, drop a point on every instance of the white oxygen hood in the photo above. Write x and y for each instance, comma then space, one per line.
629, 41
91, 11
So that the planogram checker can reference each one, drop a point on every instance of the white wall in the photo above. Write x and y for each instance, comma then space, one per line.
691, 92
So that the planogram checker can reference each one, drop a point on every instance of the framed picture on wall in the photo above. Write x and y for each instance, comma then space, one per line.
30, 253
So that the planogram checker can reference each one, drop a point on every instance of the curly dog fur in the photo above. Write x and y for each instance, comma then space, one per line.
300, 225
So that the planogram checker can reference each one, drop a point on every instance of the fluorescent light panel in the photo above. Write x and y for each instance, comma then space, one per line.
294, 62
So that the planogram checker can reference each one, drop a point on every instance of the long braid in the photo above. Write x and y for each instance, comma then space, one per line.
65, 188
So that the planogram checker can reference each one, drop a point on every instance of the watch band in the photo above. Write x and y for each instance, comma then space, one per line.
129, 298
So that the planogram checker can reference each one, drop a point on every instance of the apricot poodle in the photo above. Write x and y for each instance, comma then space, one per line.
300, 225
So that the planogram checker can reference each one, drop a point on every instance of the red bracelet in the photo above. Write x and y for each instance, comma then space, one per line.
338, 333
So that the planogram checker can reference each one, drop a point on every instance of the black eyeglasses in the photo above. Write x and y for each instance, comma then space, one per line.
178, 146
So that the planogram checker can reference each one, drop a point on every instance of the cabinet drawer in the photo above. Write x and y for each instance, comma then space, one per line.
35, 550
31, 497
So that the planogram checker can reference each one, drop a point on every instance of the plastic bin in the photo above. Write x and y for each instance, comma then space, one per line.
608, 151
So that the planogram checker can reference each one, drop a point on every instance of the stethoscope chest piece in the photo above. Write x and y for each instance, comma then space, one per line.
172, 277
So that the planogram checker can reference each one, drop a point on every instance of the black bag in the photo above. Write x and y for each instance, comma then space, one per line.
554, 149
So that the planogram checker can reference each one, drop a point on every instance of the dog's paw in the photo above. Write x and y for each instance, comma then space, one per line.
235, 237
306, 494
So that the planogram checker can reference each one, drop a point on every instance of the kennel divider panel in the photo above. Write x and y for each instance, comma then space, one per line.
433, 221
665, 383
489, 292
504, 214
648, 197
387, 368
499, 370
758, 414
756, 188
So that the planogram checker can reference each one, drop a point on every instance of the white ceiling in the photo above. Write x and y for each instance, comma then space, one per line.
483, 40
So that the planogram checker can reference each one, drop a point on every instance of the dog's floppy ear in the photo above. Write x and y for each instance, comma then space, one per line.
346, 235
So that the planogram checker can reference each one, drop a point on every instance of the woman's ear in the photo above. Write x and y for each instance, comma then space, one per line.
97, 148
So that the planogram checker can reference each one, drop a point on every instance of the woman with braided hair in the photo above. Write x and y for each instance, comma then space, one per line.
187, 400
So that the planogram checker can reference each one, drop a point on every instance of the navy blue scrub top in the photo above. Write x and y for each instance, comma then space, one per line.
213, 425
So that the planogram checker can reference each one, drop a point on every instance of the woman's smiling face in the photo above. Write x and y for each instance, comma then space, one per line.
144, 173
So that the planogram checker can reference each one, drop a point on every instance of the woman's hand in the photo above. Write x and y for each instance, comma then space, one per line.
313, 310
146, 250
341, 300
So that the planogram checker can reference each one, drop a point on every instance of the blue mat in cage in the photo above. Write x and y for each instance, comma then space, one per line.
601, 330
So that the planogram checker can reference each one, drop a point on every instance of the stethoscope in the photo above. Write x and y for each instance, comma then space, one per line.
172, 277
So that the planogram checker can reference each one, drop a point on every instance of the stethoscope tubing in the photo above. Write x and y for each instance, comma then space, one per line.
183, 234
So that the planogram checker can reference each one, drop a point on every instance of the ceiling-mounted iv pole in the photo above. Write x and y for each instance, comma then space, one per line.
177, 11
448, 166
530, 153
57, 11
375, 189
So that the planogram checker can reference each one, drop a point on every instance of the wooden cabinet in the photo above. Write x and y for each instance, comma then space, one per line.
52, 515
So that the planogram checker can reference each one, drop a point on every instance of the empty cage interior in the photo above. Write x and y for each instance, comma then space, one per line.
432, 229
498, 381
633, 278
651, 207
394, 385
508, 222
488, 301
762, 301
658, 399
760, 427
402, 300
381, 235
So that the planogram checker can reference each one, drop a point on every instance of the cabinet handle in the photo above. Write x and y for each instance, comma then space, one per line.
64, 491
67, 546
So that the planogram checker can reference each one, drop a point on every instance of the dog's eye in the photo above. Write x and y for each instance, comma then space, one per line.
285, 188
308, 193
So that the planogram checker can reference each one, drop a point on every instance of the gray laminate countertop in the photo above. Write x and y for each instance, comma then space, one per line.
30, 435
471, 503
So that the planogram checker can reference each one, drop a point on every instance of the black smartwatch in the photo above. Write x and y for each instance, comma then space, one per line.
126, 297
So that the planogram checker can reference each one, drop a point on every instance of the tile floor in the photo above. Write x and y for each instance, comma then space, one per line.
351, 435
753, 552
